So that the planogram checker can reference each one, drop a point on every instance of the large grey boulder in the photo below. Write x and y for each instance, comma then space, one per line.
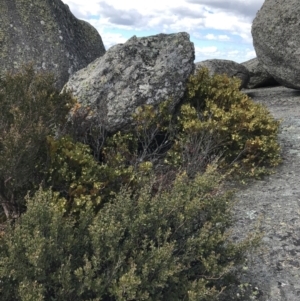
47, 34
276, 40
145, 70
259, 77
230, 68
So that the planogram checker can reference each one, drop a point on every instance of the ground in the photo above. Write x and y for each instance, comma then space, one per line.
274, 201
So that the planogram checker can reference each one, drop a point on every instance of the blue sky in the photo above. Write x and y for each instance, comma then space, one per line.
219, 28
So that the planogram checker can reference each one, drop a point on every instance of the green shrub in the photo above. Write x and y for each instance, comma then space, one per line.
81, 128
140, 150
75, 175
168, 246
31, 109
40, 253
216, 123
220, 123
86, 175
130, 216
81, 181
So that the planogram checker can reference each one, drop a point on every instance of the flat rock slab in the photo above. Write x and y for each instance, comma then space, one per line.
275, 201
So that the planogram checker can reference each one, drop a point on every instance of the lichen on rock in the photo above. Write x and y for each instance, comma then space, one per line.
47, 34
146, 70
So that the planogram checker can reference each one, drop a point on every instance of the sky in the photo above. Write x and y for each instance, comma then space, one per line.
219, 29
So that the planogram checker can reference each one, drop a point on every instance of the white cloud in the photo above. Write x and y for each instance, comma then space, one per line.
233, 54
240, 56
83, 8
223, 37
249, 54
207, 52
209, 22
211, 36
231, 24
112, 39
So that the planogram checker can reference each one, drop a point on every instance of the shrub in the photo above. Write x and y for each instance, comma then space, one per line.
40, 253
219, 122
140, 246
85, 174
31, 109
170, 246
126, 158
81, 181
74, 174
129, 216
215, 123
86, 126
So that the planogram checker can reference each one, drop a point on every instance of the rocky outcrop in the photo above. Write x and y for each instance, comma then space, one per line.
46, 33
271, 205
141, 71
276, 40
259, 77
230, 68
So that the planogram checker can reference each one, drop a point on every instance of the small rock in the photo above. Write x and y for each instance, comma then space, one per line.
259, 77
230, 68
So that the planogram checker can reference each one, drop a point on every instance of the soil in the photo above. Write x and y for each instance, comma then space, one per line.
274, 202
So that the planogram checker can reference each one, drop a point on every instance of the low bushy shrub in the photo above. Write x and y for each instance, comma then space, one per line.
31, 109
40, 253
168, 246
138, 215
75, 175
217, 122
81, 181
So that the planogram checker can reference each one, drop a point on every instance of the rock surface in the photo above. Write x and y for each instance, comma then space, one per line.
141, 71
276, 40
230, 68
47, 33
259, 77
274, 201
